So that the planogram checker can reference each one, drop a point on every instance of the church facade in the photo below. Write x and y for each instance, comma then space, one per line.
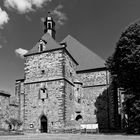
65, 85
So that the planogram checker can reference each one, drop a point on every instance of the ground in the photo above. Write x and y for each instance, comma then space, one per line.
70, 137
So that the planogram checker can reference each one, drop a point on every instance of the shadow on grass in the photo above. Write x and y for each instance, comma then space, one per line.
4, 132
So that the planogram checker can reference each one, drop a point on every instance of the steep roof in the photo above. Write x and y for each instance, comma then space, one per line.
85, 57
50, 44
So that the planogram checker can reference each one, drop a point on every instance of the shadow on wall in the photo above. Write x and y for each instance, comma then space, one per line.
107, 110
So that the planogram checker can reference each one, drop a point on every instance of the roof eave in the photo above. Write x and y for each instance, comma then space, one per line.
92, 70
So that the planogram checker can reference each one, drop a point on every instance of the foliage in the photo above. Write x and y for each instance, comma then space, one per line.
124, 63
133, 112
124, 66
14, 122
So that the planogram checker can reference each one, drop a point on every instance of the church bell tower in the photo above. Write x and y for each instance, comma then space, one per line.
49, 26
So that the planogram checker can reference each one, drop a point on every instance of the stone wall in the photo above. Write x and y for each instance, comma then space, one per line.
13, 111
45, 66
99, 99
69, 68
4, 110
94, 86
89, 99
71, 98
70, 76
93, 78
8, 109
19, 93
52, 107
69, 107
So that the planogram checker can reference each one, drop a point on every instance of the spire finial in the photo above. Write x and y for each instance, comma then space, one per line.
49, 16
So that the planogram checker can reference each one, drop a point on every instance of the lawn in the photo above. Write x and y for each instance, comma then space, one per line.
70, 137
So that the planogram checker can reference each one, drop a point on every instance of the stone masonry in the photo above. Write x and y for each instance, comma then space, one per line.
55, 94
8, 109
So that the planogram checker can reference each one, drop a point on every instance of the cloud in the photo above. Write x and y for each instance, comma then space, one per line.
1, 46
21, 52
24, 6
39, 3
60, 16
28, 18
4, 18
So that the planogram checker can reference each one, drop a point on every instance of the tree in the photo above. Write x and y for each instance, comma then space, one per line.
124, 67
14, 123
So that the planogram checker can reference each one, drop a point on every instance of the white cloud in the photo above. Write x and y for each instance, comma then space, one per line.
60, 16
0, 46
21, 6
3, 18
21, 52
24, 6
39, 3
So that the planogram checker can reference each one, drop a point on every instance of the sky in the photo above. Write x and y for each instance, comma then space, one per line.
95, 23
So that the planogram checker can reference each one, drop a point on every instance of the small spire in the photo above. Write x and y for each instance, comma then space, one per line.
49, 25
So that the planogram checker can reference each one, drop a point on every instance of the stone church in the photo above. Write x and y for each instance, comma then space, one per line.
65, 85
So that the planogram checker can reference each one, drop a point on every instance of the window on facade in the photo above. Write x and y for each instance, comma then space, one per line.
70, 74
42, 71
78, 117
70, 96
42, 45
43, 94
79, 100
49, 25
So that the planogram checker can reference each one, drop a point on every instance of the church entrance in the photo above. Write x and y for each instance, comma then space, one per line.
44, 128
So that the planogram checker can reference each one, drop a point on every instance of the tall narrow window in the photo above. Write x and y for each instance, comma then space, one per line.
43, 94
49, 26
42, 45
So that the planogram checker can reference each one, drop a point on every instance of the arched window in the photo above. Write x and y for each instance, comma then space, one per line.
41, 45
78, 117
49, 25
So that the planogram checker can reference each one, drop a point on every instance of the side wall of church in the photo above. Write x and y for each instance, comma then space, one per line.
70, 76
97, 102
4, 111
14, 111
69, 68
19, 93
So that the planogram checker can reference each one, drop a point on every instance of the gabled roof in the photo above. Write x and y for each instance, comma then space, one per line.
85, 57
50, 44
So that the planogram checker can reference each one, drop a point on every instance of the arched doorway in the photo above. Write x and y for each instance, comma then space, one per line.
43, 121
78, 117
